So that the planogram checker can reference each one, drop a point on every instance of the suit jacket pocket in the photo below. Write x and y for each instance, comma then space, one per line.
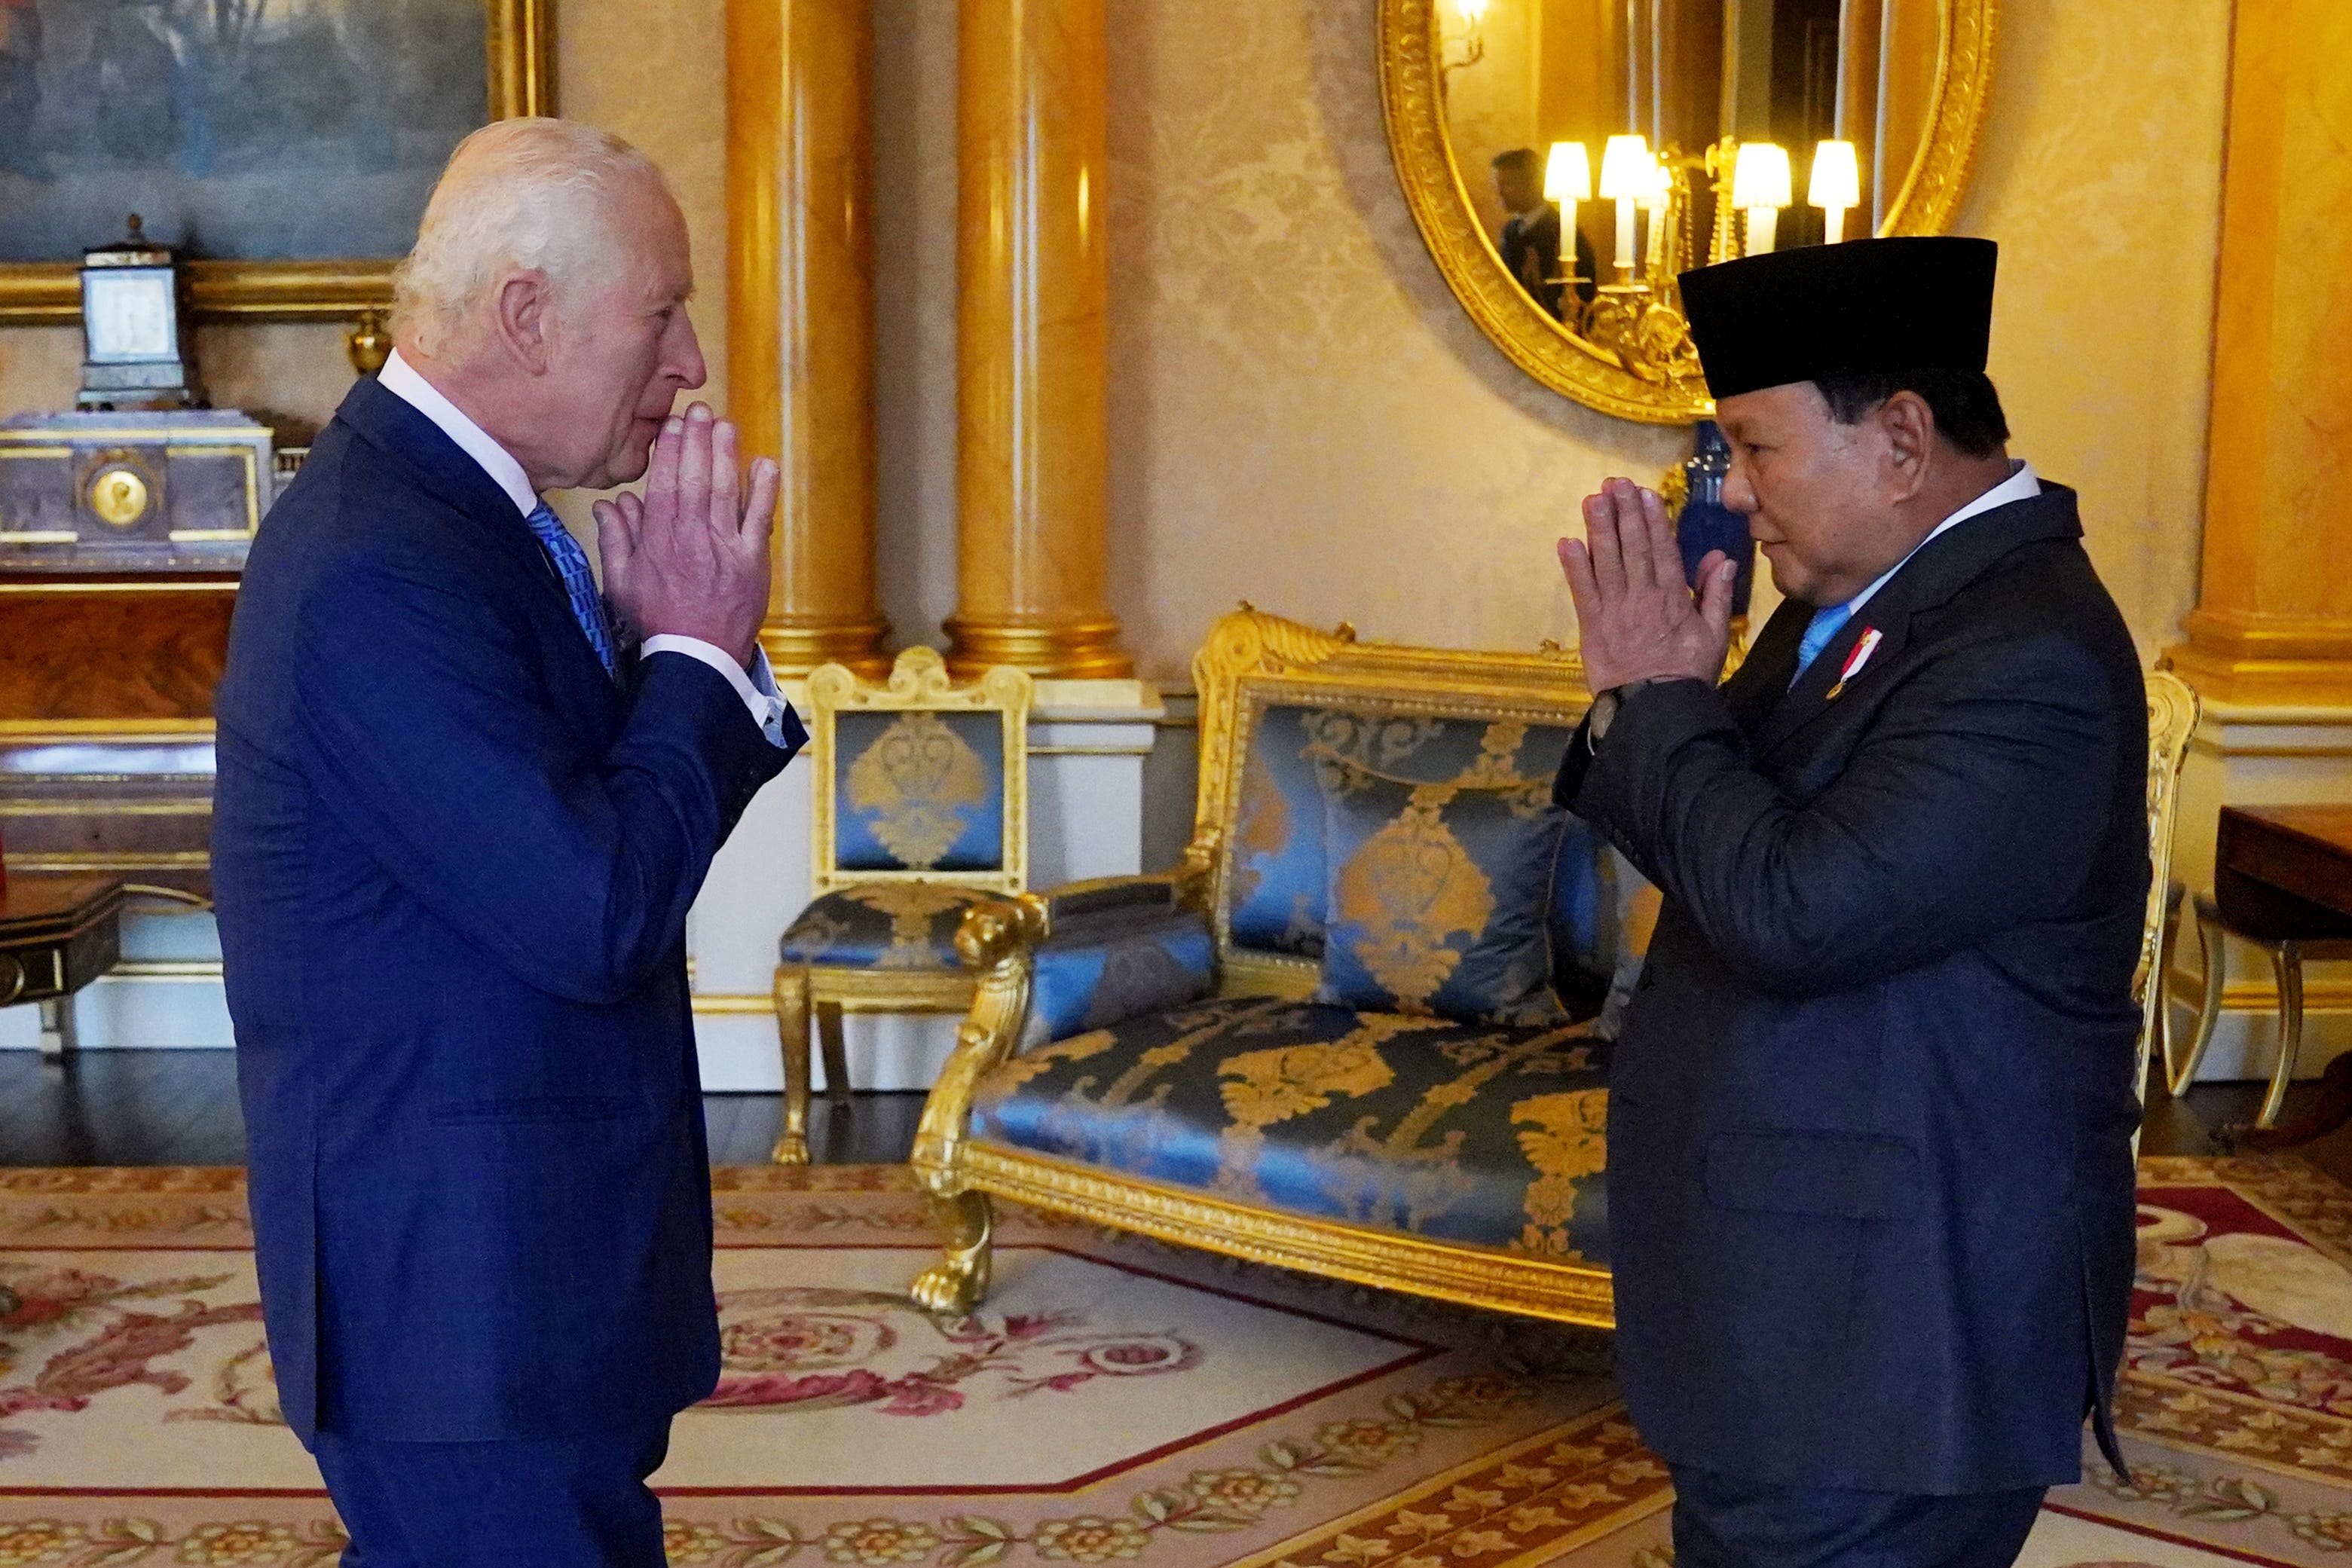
1832, 1175
529, 1108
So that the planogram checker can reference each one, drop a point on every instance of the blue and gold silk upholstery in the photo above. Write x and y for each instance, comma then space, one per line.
883, 926
918, 791
1489, 1135
1278, 881
1106, 969
1439, 901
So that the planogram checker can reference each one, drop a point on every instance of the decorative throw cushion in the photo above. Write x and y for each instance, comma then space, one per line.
883, 926
918, 791
1440, 897
1481, 1133
1105, 968
1276, 876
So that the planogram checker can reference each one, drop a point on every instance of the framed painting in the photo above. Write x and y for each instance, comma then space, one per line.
286, 147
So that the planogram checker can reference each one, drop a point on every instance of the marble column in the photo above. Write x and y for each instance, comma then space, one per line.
2270, 643
800, 317
1032, 341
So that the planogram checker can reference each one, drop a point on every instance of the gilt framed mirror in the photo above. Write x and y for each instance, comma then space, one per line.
1565, 160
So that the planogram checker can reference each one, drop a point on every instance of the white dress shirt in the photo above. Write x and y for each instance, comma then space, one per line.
756, 686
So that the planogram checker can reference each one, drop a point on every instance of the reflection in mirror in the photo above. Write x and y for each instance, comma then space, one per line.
1609, 145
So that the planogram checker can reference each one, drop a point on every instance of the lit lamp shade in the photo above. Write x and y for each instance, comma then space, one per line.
1627, 172
1761, 187
1473, 11
1836, 185
1760, 178
1567, 173
1627, 169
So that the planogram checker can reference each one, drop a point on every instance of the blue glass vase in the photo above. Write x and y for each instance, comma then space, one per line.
1706, 523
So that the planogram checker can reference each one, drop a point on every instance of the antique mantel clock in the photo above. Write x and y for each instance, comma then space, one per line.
140, 477
136, 354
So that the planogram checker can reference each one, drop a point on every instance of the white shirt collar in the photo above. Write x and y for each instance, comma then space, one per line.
2022, 483
399, 378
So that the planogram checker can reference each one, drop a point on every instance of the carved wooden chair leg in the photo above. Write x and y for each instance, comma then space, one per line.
793, 1035
958, 1283
836, 1054
2209, 1013
2286, 962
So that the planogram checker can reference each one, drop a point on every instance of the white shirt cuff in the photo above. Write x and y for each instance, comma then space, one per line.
756, 686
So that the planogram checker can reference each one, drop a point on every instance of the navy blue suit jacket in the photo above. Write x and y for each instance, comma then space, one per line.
452, 861
1870, 1177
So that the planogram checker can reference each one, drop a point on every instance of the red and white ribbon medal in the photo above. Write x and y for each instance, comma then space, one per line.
1863, 648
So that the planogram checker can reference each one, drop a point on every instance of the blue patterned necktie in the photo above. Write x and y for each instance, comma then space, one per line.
578, 584
1819, 634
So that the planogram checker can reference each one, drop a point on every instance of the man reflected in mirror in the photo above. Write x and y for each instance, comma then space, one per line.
1529, 240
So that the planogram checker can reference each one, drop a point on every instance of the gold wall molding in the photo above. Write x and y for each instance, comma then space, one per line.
519, 40
800, 313
1032, 340
1412, 96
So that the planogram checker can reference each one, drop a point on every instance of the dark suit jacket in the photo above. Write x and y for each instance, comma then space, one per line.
453, 862
1870, 1177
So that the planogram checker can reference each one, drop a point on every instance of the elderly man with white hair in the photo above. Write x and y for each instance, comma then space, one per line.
465, 802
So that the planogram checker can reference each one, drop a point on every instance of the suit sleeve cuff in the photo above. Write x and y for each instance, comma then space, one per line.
756, 686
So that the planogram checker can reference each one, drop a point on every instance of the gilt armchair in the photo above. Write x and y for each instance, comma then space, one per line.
919, 813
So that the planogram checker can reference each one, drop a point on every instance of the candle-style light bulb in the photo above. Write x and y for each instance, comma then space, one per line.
1836, 186
1568, 179
1761, 187
1627, 174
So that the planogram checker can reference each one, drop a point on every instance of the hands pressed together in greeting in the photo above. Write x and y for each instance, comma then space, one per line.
691, 557
1637, 618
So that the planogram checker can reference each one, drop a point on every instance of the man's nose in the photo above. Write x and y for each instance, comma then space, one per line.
683, 357
1738, 491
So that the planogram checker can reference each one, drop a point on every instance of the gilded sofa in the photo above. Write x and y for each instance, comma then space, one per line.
1145, 1053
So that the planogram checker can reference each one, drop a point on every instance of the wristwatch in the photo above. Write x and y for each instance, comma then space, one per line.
1605, 711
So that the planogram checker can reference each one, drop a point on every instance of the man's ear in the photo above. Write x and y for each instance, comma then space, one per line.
1910, 429
523, 320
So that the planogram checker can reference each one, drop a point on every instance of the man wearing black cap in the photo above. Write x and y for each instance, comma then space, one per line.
1870, 1119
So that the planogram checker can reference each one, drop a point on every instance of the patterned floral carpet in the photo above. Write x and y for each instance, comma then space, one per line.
1118, 1401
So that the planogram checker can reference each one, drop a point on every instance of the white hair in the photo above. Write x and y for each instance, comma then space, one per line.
532, 193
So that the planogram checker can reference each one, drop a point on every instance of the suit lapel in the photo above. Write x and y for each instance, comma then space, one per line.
397, 428
1762, 678
1941, 569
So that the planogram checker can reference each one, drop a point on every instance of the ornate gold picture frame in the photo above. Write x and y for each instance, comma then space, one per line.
1412, 70
519, 39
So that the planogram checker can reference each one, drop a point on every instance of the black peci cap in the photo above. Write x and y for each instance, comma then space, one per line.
1920, 303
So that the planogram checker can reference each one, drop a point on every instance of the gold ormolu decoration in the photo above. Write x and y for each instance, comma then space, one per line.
519, 40
1033, 459
1411, 887
919, 784
368, 343
918, 688
799, 314
1640, 371
119, 496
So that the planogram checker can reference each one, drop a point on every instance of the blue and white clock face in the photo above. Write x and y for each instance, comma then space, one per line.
128, 316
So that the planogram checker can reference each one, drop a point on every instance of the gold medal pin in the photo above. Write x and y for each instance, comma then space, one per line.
1862, 649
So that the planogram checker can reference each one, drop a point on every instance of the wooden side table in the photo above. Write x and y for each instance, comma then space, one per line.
57, 933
